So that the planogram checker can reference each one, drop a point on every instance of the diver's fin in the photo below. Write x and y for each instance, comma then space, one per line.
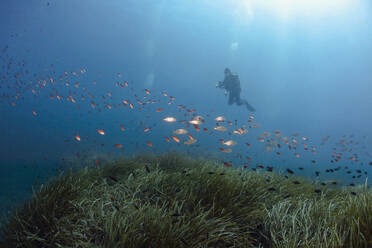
249, 107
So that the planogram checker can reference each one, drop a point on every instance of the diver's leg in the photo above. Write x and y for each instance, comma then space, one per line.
249, 107
243, 101
231, 99
239, 101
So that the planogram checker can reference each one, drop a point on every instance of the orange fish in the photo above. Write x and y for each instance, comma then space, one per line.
77, 137
146, 130
220, 128
118, 146
176, 139
147, 91
190, 141
229, 143
225, 150
159, 110
100, 131
122, 128
169, 119
131, 105
149, 143
167, 139
220, 118
180, 131
196, 127
227, 164
34, 112
98, 162
195, 122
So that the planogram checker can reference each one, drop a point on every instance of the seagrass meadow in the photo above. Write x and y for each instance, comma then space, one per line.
172, 200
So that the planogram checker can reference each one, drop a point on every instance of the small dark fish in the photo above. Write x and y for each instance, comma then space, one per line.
271, 189
353, 193
318, 191
175, 215
113, 179
210, 172
221, 174
184, 241
352, 184
323, 184
147, 168
296, 182
290, 171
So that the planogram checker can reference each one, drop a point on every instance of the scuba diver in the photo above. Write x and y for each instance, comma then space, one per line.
231, 84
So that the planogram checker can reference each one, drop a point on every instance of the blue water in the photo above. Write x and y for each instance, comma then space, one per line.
305, 67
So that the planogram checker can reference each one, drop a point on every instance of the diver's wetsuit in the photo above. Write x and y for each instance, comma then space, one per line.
232, 85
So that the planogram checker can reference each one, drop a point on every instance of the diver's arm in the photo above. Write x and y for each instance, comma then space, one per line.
237, 82
220, 85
